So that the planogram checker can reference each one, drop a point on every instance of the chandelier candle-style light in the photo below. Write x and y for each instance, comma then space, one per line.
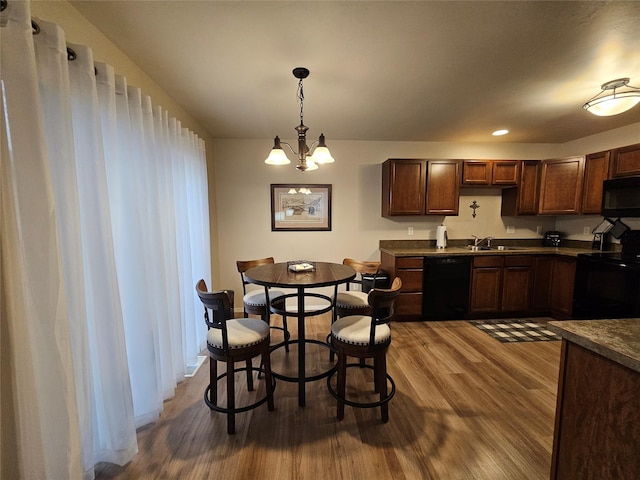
306, 162
606, 103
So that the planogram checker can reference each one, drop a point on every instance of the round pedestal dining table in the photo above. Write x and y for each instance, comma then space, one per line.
322, 274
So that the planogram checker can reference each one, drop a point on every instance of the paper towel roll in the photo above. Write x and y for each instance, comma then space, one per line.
441, 236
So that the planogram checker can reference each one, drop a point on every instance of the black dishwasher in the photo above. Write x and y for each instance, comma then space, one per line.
445, 289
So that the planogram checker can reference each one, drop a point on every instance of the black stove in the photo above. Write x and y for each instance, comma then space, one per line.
608, 283
614, 258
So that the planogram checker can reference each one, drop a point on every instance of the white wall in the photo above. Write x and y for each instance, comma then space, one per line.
242, 185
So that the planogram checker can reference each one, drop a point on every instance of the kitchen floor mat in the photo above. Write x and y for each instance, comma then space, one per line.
522, 330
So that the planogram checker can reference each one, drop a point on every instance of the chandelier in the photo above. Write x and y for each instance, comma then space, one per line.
307, 159
624, 97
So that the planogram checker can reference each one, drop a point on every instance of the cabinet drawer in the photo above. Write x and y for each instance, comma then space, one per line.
408, 304
519, 260
489, 261
409, 262
411, 280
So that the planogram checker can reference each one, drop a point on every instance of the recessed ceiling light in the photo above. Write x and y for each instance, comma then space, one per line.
499, 133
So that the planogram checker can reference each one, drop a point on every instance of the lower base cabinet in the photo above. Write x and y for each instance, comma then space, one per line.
563, 278
542, 279
408, 304
501, 284
522, 284
486, 284
597, 426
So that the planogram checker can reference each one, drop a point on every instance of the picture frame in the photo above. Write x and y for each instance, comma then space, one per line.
300, 207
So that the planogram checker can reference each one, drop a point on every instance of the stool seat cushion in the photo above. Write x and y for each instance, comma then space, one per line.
355, 330
352, 299
241, 332
257, 298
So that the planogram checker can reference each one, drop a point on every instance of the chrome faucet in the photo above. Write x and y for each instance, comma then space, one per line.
477, 241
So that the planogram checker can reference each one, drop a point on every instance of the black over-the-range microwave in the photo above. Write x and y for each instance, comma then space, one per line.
621, 197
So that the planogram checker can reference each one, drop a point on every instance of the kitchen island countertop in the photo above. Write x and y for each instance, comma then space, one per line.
618, 340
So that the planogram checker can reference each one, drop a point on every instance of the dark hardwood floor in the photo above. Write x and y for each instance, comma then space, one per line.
466, 407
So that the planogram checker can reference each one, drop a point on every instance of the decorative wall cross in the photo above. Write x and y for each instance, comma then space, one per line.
474, 205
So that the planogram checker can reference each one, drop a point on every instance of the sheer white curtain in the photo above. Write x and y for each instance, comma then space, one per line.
104, 233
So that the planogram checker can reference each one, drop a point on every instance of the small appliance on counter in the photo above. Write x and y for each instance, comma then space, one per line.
441, 236
551, 239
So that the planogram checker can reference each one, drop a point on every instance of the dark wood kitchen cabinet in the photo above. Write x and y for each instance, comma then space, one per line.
408, 304
626, 161
596, 171
404, 187
420, 187
443, 187
561, 186
501, 283
495, 173
563, 278
523, 199
486, 283
597, 424
517, 278
542, 280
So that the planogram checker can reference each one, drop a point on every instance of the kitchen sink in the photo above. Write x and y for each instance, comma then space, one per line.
497, 248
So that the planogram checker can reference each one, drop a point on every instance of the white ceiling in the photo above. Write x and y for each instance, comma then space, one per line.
449, 71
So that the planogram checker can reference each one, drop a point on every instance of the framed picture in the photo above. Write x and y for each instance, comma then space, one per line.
299, 207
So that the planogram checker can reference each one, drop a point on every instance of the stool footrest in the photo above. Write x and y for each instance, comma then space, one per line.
246, 408
361, 404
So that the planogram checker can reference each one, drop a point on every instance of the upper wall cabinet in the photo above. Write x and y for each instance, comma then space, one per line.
404, 187
561, 186
523, 200
420, 187
596, 171
494, 173
626, 161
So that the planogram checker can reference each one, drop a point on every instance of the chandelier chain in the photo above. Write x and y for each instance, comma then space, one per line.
301, 99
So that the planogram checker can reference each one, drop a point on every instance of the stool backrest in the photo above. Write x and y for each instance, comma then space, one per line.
221, 305
366, 268
244, 265
382, 301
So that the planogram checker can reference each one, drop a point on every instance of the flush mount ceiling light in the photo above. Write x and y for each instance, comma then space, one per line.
306, 162
622, 98
499, 133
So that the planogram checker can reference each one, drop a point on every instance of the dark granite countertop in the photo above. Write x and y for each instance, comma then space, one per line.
427, 248
617, 340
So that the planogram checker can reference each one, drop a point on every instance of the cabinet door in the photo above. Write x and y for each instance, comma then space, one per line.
596, 171
486, 284
626, 161
403, 187
529, 189
505, 173
561, 186
564, 273
443, 187
485, 290
543, 272
516, 283
476, 172
523, 200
